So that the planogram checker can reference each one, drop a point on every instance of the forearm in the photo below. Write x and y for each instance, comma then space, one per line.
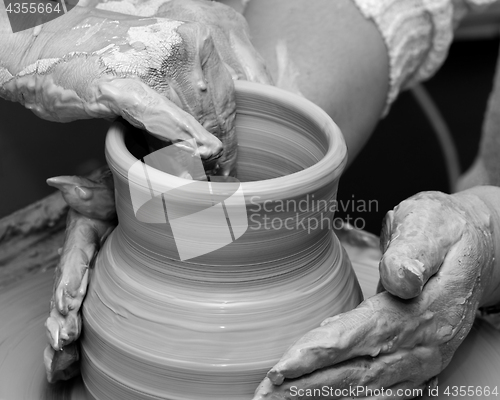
330, 53
490, 203
52, 39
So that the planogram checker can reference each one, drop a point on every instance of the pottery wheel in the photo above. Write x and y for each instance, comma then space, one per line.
24, 308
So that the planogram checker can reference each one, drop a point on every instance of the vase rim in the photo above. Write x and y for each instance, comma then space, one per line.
325, 171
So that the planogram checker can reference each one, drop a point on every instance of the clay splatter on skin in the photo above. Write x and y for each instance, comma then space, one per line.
25, 305
91, 31
44, 88
414, 339
288, 72
5, 75
151, 52
161, 40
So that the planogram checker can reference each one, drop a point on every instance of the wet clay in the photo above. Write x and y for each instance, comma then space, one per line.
210, 328
113, 65
160, 326
24, 305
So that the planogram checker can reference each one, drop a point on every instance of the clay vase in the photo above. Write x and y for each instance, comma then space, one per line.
160, 326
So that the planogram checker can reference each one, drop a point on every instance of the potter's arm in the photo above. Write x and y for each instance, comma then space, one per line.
330, 53
172, 78
92, 63
352, 57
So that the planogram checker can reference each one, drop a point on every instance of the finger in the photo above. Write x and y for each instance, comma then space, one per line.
63, 329
70, 329
83, 237
386, 232
318, 385
250, 61
146, 109
231, 36
69, 298
61, 365
206, 89
82, 241
358, 377
373, 327
382, 324
453, 295
93, 198
239, 55
422, 230
52, 328
74, 277
337, 340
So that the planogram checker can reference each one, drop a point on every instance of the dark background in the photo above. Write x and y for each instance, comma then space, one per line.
402, 158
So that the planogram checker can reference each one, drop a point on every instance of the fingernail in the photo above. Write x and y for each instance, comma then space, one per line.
402, 278
53, 332
82, 193
202, 85
59, 182
61, 307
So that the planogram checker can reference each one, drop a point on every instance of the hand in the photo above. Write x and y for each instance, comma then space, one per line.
439, 253
228, 28
229, 31
90, 220
188, 72
161, 75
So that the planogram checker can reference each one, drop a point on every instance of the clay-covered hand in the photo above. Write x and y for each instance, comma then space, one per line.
229, 31
162, 75
90, 220
438, 267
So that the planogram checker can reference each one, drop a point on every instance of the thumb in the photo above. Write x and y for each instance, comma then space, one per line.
416, 238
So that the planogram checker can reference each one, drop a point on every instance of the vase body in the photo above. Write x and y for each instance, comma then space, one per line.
160, 326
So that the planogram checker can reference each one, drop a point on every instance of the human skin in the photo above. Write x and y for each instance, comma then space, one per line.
171, 78
97, 64
360, 90
441, 255
92, 63
92, 217
330, 53
348, 77
337, 59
